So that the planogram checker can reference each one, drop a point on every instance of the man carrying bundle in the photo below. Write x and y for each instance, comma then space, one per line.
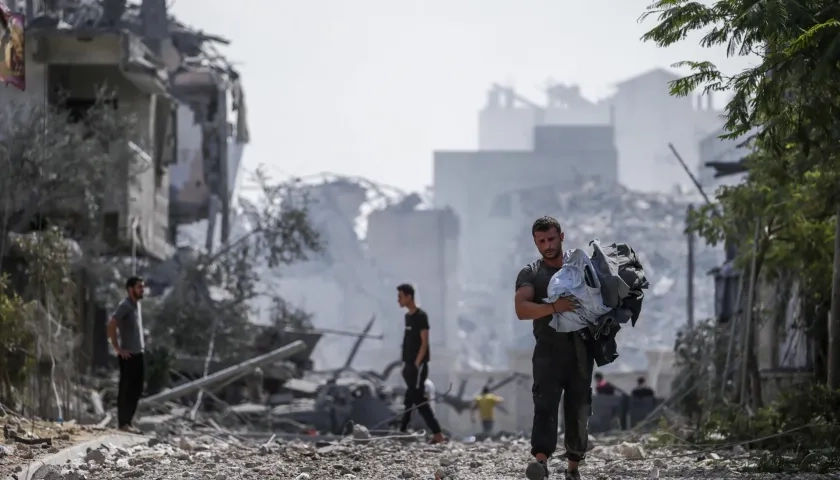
561, 362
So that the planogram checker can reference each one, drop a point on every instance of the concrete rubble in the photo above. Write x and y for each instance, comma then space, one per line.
222, 458
19, 433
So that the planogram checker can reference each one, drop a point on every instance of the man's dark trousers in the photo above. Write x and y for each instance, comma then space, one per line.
562, 368
132, 376
415, 394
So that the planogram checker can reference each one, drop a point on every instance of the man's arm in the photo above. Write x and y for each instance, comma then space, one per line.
526, 308
112, 329
523, 300
423, 325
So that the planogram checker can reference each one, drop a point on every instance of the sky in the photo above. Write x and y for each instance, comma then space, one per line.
372, 87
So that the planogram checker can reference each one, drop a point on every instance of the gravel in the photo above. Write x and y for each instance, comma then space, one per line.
12, 453
210, 458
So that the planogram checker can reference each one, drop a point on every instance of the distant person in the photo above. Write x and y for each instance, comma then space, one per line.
415, 357
125, 330
641, 390
486, 406
603, 387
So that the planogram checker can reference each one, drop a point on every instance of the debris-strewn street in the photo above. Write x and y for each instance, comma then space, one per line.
29, 440
364, 457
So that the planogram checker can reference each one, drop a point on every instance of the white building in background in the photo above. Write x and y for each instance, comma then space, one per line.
645, 116
477, 185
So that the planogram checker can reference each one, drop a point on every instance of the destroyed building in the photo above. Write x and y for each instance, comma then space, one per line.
188, 103
498, 190
375, 238
468, 182
420, 246
644, 115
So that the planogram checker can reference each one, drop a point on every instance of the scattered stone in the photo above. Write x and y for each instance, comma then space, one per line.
631, 451
386, 458
6, 451
47, 472
96, 456
360, 432
186, 445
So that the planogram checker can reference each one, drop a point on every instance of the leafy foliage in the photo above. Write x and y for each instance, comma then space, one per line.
68, 166
784, 109
800, 429
213, 300
59, 172
16, 344
700, 355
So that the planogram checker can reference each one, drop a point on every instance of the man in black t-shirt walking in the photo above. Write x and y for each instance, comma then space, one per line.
561, 363
415, 357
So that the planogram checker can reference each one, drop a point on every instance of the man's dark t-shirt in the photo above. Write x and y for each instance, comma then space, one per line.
605, 388
642, 392
537, 275
414, 324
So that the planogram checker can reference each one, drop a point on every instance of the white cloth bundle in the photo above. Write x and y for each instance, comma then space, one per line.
577, 279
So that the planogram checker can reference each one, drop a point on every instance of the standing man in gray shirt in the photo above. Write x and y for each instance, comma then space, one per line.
125, 330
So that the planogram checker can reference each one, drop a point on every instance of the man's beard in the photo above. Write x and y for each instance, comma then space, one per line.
553, 256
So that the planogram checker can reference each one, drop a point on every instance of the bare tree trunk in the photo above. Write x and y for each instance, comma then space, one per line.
834, 317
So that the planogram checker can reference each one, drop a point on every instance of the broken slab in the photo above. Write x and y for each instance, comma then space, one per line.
63, 456
226, 375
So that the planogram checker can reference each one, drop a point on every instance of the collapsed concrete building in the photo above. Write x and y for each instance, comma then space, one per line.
591, 165
187, 100
643, 114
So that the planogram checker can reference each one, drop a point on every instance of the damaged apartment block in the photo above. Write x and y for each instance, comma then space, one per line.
186, 99
179, 88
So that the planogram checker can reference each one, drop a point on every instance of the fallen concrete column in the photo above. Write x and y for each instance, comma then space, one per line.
227, 375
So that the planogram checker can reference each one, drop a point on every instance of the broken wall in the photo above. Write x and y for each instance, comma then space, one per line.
644, 114
188, 193
343, 286
143, 196
420, 247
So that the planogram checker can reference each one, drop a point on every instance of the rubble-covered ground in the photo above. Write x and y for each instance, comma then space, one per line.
360, 456
14, 452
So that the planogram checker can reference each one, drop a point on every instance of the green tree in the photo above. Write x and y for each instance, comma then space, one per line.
213, 296
784, 108
58, 171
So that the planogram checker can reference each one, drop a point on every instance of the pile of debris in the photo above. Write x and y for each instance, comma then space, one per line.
26, 440
362, 456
